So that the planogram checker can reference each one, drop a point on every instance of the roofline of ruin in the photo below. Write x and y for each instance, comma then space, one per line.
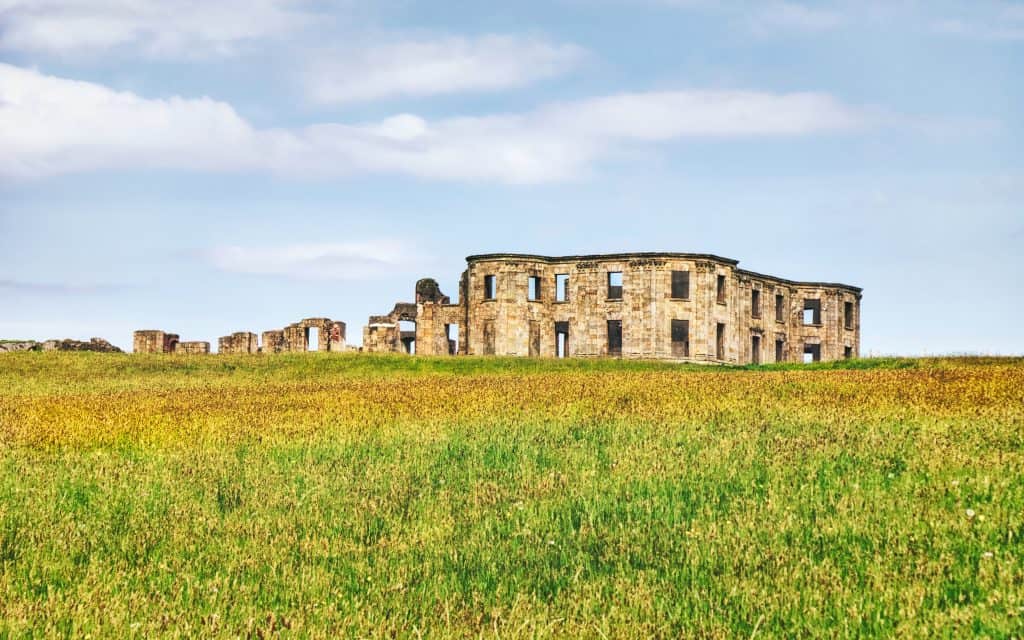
798, 283
655, 254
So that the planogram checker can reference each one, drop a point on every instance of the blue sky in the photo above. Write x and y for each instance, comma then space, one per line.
214, 167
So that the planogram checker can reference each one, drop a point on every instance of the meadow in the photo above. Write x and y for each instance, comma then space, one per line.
374, 496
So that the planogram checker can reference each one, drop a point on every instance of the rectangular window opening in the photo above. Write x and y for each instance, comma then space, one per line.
812, 311
490, 288
533, 288
812, 353
681, 285
755, 349
614, 285
561, 287
848, 315
451, 332
847, 353
562, 339
720, 341
780, 353
681, 338
615, 337
407, 334
755, 303
721, 289
313, 339
780, 309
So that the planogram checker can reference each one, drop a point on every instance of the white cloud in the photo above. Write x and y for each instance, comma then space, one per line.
326, 261
50, 125
432, 67
768, 17
1001, 22
792, 16
156, 27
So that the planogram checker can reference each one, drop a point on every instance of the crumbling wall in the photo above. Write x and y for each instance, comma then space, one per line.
273, 341
381, 337
239, 342
94, 344
330, 335
192, 348
383, 334
154, 341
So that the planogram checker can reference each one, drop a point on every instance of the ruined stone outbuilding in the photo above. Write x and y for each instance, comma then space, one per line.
311, 334
428, 319
665, 306
156, 341
329, 335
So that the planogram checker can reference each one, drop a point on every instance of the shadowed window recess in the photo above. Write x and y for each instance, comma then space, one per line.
681, 338
681, 285
615, 337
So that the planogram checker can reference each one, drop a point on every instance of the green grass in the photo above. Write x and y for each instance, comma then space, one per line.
382, 496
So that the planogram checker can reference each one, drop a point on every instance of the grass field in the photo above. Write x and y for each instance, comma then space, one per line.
361, 496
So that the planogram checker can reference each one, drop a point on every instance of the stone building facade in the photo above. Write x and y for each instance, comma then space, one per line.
667, 306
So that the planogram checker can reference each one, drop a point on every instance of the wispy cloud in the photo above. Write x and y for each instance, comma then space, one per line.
435, 66
1001, 22
155, 27
57, 288
50, 125
773, 16
792, 16
364, 260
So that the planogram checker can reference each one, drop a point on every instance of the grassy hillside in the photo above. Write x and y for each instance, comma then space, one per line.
318, 495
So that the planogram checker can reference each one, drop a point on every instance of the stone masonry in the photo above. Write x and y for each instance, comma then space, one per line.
240, 342
193, 348
296, 337
154, 341
660, 306
666, 306
94, 344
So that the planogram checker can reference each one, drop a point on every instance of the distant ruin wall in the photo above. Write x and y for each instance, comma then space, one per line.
273, 341
240, 342
193, 348
154, 341
94, 344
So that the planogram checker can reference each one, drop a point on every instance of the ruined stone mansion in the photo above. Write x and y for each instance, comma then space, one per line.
663, 306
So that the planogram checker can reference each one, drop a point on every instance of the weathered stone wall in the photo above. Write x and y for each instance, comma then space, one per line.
94, 344
10, 346
273, 341
192, 348
330, 335
154, 341
293, 338
512, 324
383, 334
381, 337
238, 342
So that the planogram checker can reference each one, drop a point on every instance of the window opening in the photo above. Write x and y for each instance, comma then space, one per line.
614, 285
681, 285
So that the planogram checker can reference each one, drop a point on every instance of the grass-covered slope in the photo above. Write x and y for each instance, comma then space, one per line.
314, 495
